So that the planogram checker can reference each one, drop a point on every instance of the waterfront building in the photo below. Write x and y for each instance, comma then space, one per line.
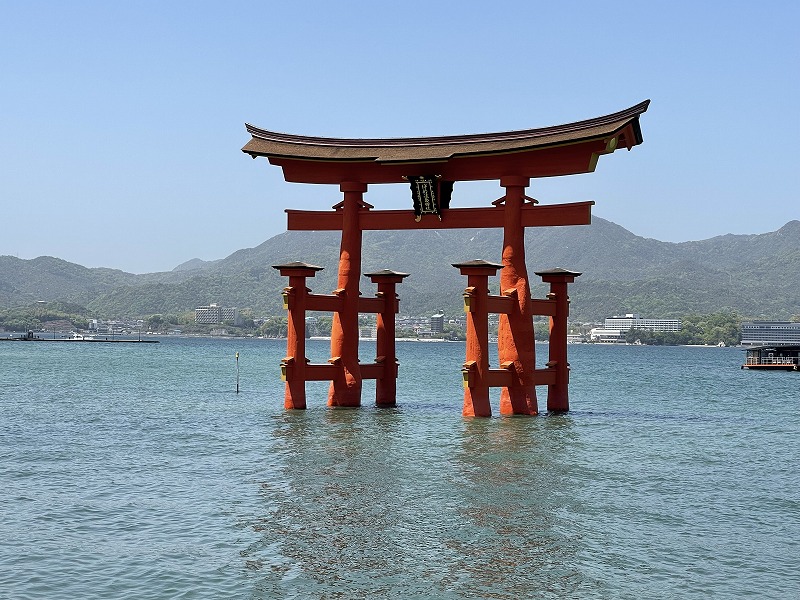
214, 314
607, 336
757, 333
634, 321
437, 322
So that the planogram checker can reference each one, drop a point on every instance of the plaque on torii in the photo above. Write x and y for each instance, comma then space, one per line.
434, 164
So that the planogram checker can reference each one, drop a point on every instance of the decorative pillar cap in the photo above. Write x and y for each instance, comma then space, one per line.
297, 269
387, 276
557, 275
478, 267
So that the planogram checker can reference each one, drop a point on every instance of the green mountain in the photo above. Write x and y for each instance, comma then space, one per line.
756, 275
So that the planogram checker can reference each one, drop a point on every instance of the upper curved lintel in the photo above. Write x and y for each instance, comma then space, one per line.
568, 131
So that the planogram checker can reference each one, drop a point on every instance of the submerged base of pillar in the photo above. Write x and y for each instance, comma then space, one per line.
344, 397
476, 405
294, 401
518, 401
557, 401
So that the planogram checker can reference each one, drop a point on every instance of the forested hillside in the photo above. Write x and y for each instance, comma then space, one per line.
755, 275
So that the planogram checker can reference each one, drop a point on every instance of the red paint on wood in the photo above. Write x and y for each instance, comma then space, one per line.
515, 339
386, 384
476, 366
294, 365
580, 157
532, 215
345, 389
558, 391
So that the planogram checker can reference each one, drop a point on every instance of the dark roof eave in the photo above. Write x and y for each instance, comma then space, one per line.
318, 148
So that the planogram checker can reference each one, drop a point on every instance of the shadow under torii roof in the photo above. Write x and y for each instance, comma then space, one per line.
545, 152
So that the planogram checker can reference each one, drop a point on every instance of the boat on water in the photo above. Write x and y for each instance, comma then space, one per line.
773, 358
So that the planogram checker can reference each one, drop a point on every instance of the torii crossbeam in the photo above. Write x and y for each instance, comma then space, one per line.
512, 158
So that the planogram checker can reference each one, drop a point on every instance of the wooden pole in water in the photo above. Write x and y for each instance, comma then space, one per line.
237, 372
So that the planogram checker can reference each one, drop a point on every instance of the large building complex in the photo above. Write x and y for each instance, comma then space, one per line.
633, 321
614, 328
214, 314
756, 333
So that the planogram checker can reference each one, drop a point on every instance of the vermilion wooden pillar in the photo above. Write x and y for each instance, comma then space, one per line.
386, 386
345, 389
476, 366
558, 393
515, 340
293, 366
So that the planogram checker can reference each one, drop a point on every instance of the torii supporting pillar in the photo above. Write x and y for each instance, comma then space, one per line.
515, 339
476, 367
294, 364
345, 389
386, 386
558, 392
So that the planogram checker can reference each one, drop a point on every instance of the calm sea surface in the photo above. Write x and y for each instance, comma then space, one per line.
136, 471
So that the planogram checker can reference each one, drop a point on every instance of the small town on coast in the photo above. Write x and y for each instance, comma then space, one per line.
724, 329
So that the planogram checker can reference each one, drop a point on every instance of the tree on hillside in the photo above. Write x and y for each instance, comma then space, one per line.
275, 327
154, 323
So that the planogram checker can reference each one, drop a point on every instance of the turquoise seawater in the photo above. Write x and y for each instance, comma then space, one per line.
136, 471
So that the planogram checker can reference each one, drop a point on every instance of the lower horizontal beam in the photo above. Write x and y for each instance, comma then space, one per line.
501, 305
543, 308
378, 305
321, 372
498, 378
544, 377
374, 370
328, 372
324, 302
533, 215
503, 377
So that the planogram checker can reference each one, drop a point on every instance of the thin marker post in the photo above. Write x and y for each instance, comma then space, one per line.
237, 372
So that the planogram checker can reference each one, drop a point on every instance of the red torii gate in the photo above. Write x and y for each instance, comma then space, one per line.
513, 158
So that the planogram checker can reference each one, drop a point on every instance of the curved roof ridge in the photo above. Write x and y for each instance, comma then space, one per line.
274, 136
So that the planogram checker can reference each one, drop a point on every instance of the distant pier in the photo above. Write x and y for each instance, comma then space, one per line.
30, 337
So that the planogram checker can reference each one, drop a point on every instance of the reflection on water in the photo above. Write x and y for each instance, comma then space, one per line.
331, 516
515, 494
388, 503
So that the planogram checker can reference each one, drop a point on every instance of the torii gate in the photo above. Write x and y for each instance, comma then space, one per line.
432, 165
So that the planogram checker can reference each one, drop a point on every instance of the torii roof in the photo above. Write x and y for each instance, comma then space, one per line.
559, 150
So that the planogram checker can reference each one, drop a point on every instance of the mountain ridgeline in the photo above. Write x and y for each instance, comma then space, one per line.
757, 276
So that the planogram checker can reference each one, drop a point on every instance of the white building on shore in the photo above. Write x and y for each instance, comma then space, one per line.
634, 321
607, 336
214, 314
615, 328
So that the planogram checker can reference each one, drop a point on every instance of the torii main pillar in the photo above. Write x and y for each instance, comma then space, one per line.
515, 339
345, 389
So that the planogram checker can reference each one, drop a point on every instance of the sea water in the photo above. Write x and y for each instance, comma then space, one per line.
137, 471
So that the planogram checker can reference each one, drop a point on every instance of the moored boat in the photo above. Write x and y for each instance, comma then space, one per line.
773, 357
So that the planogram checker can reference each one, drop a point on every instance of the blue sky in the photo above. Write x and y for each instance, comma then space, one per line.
121, 124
